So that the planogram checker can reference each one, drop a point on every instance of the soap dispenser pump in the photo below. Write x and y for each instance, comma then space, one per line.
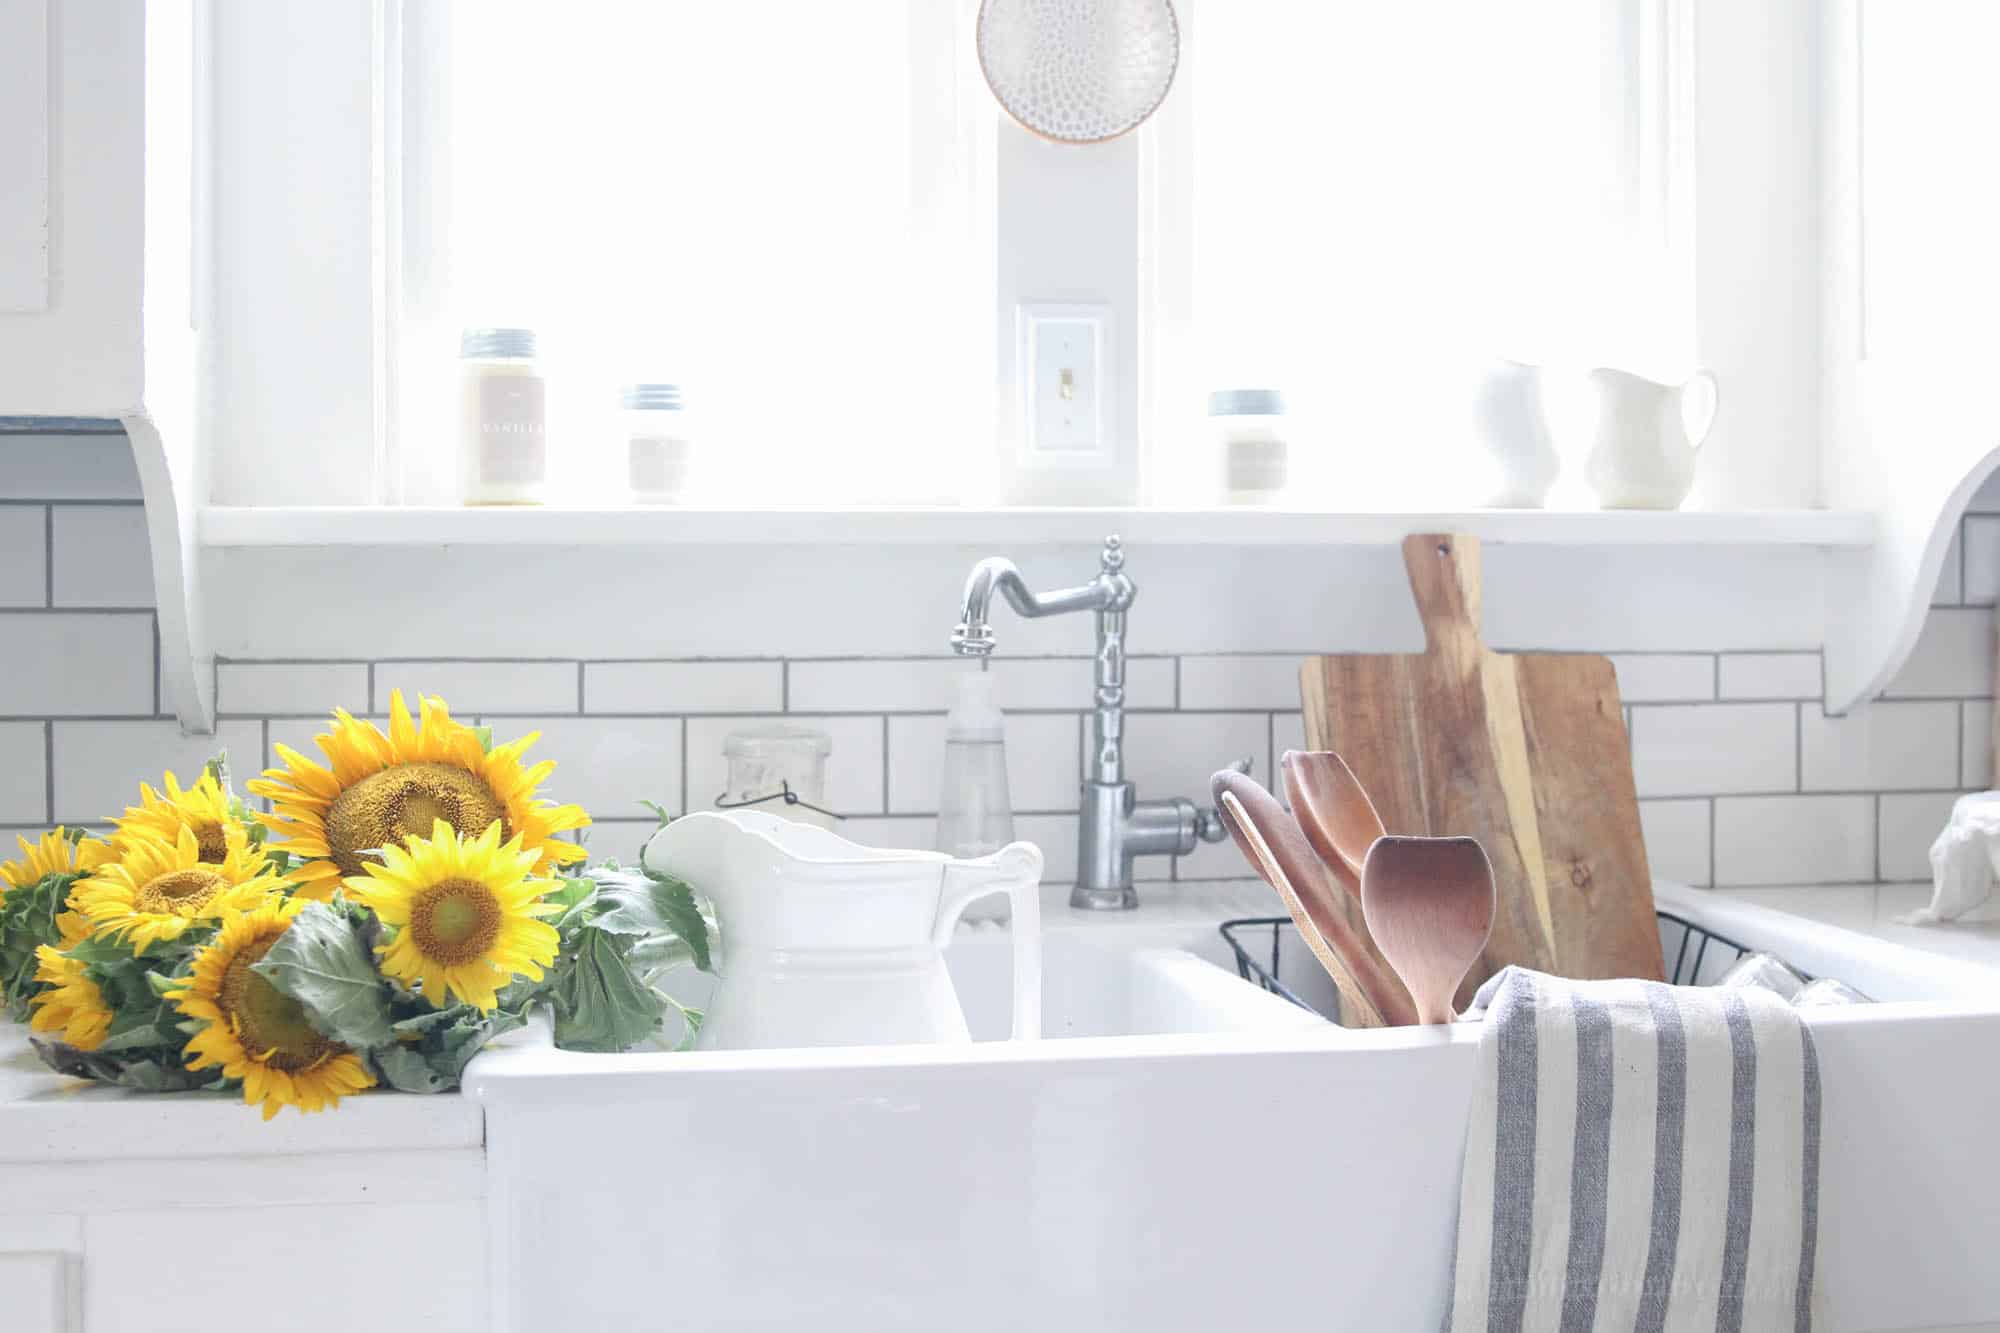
975, 816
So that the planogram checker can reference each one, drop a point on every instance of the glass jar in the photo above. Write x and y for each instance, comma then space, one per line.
1249, 426
657, 449
780, 770
503, 438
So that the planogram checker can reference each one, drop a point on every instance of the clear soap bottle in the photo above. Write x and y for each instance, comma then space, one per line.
975, 816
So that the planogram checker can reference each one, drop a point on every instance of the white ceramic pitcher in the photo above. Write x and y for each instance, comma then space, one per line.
824, 942
1511, 428
1643, 446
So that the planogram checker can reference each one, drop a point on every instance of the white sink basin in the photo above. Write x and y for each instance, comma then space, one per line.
1187, 1153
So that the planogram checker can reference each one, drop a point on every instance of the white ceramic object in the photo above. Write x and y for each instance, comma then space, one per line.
1510, 425
1101, 1182
824, 942
1079, 71
1646, 436
1964, 859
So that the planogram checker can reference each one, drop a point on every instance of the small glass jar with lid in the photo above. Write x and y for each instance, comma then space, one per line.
503, 438
1249, 427
658, 452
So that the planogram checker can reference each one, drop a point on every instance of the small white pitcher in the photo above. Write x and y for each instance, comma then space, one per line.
825, 942
1510, 426
1643, 446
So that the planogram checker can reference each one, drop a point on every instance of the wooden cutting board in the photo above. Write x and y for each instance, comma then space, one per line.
1526, 752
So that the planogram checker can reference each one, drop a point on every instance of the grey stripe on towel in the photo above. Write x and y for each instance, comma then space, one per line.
1590, 1264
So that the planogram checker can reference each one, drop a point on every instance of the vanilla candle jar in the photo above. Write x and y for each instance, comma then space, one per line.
502, 434
657, 448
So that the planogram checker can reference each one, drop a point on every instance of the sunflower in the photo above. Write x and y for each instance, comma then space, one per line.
462, 912
156, 890
255, 1031
382, 790
203, 808
74, 1008
54, 854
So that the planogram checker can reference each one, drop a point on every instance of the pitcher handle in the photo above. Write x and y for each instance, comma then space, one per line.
1015, 870
1705, 394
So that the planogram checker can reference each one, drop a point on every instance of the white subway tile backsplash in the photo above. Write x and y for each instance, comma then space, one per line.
1975, 755
1288, 732
1246, 681
1042, 763
895, 832
24, 775
1702, 749
1953, 658
1911, 822
23, 555
1771, 676
73, 664
683, 687
1677, 839
1664, 677
1981, 539
1056, 836
620, 839
68, 467
1794, 839
1950, 590
481, 687
927, 685
298, 733
853, 769
1883, 746
274, 689
1175, 754
605, 765
99, 765
101, 556
1986, 500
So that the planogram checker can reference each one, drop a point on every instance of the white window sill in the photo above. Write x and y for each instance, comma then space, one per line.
651, 526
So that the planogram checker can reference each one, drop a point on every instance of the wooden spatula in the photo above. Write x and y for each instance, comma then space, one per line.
1333, 810
1429, 904
1370, 994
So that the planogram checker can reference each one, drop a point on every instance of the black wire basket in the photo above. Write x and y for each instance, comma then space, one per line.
1260, 944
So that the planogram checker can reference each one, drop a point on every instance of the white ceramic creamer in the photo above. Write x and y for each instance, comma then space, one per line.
824, 942
1511, 428
1642, 448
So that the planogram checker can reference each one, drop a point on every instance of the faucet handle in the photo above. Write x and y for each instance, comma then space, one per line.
1208, 825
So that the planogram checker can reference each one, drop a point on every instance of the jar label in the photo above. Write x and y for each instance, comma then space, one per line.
513, 446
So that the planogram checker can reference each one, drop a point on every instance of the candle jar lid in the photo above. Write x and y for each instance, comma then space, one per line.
485, 343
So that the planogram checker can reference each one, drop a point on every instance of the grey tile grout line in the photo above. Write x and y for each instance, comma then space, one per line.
48, 557
1711, 841
158, 664
580, 710
49, 770
1878, 835
1799, 747
371, 687
784, 685
885, 761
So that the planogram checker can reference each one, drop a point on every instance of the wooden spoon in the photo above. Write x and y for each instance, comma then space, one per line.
1333, 810
1265, 832
1429, 905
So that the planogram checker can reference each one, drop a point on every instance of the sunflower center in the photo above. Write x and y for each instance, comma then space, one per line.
271, 1025
402, 802
213, 841
180, 892
455, 921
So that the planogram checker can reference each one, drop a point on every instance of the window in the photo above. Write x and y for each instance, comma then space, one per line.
796, 210
767, 202
1381, 196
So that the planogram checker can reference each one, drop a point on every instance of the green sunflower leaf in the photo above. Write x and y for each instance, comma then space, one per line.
321, 964
652, 903
405, 1069
600, 1004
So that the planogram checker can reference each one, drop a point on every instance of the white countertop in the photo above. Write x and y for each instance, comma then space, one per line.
45, 1117
1874, 910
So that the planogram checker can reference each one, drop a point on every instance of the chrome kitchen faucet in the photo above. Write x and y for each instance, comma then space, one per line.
1113, 825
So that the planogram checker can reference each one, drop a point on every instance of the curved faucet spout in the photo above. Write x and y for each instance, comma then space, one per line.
1111, 590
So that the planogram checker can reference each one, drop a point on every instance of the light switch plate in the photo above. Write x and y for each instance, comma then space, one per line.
1064, 356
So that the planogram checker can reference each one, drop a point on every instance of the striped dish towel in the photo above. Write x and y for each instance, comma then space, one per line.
1639, 1157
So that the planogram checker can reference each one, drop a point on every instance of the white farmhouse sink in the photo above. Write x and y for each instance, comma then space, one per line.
1185, 1152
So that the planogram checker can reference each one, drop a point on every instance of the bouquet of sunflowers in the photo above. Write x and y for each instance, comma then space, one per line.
401, 905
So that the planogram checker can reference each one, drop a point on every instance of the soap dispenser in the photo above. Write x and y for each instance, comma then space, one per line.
975, 816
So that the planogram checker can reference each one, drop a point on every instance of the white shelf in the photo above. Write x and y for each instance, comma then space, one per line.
633, 526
